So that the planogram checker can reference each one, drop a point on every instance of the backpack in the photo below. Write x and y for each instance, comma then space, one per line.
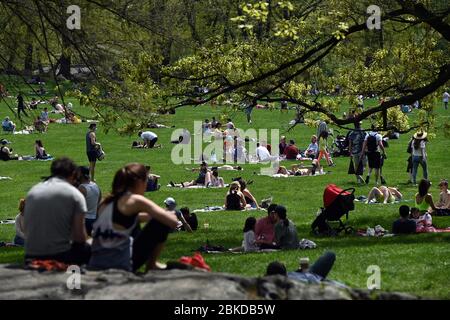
233, 201
372, 143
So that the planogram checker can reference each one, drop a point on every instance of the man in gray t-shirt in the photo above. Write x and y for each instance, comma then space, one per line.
54, 217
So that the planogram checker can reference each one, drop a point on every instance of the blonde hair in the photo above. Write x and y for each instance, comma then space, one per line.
235, 186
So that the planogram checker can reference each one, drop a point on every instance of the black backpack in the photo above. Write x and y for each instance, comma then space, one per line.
233, 201
372, 143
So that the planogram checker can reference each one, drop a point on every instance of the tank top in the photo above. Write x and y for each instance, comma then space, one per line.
89, 146
111, 248
92, 197
423, 206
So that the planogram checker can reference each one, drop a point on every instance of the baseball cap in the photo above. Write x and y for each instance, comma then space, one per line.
170, 201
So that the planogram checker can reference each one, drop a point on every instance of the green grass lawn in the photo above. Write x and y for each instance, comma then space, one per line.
417, 264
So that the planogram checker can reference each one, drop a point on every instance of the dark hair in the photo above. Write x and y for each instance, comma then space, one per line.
125, 179
250, 223
291, 141
63, 167
282, 214
39, 143
275, 268
239, 168
215, 173
92, 125
135, 144
139, 133
258, 144
404, 211
271, 208
185, 211
424, 186
243, 184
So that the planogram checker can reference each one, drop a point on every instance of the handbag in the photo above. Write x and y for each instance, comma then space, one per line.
351, 167
360, 169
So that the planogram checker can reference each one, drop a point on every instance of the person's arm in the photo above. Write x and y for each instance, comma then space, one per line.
139, 203
186, 225
83, 191
244, 203
93, 138
249, 194
429, 200
380, 144
79, 234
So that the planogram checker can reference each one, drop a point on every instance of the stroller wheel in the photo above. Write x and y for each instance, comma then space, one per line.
349, 230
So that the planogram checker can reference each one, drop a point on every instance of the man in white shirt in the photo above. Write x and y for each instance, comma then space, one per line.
150, 138
445, 98
262, 153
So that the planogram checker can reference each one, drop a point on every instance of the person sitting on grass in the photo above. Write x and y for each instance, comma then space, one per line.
54, 217
384, 195
285, 230
404, 225
249, 244
249, 198
313, 148
234, 199
424, 199
216, 181
93, 196
265, 229
40, 152
191, 218
291, 151
19, 239
118, 215
443, 206
5, 152
152, 184
424, 223
8, 125
171, 205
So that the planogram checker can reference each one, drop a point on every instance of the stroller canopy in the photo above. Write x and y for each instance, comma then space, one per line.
330, 194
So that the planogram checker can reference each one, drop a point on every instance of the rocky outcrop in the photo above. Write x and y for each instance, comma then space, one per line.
18, 283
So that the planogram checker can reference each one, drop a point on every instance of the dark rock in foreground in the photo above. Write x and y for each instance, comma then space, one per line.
17, 283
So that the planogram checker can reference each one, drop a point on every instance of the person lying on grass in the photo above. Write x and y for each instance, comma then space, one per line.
314, 274
119, 214
204, 178
384, 195
225, 167
235, 199
299, 170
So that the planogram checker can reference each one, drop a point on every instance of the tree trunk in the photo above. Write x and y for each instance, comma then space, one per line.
28, 63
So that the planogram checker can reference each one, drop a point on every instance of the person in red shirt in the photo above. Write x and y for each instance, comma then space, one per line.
291, 151
265, 229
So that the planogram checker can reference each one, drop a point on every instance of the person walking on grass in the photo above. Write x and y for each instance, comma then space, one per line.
21, 105
373, 143
356, 141
445, 99
419, 155
91, 149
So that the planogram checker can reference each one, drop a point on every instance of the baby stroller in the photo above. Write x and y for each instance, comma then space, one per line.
340, 146
337, 203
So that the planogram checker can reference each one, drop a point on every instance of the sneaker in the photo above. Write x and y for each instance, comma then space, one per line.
367, 179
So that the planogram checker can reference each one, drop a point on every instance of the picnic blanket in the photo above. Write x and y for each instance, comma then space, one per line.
8, 221
198, 187
220, 208
32, 158
279, 175
377, 231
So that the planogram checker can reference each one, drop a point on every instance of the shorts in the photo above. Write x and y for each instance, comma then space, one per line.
92, 156
374, 160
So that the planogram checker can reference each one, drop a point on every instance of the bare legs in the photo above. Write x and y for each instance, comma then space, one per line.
92, 170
